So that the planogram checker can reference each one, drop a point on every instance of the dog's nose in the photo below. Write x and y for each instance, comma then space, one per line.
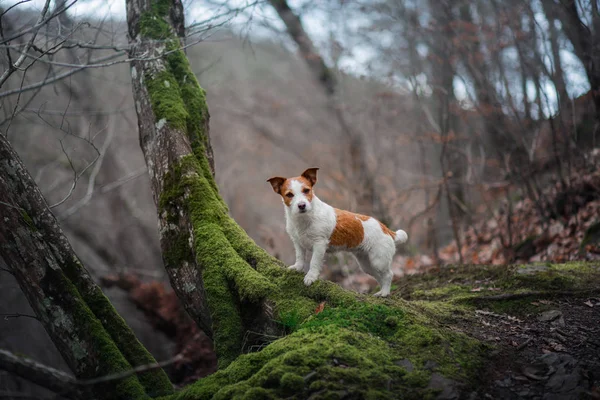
302, 206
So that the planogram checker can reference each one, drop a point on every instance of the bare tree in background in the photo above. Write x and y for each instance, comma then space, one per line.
369, 197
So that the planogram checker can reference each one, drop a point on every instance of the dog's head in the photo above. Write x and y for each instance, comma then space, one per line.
297, 193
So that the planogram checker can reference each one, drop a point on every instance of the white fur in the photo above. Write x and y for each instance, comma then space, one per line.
310, 232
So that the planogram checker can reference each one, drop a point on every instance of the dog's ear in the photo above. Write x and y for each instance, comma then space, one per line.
311, 175
276, 182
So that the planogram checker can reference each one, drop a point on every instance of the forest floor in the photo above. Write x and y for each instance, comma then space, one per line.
543, 333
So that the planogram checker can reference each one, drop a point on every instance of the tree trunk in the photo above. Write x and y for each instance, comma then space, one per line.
219, 274
90, 335
585, 41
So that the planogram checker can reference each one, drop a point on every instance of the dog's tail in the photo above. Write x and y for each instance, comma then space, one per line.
401, 236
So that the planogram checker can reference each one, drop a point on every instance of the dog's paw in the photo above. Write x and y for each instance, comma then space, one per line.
297, 267
310, 278
381, 294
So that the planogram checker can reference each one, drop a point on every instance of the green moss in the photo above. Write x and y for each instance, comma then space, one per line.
91, 343
179, 250
256, 393
28, 220
166, 100
290, 320
442, 292
362, 317
291, 383
153, 24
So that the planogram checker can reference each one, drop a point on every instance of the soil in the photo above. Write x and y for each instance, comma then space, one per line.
544, 338
552, 354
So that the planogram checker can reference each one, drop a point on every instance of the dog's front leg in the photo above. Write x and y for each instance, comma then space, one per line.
316, 262
300, 258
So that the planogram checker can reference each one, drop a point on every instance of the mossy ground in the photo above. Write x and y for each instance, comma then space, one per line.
353, 351
466, 287
356, 348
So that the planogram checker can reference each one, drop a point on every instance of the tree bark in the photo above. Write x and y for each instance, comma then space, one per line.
585, 40
90, 335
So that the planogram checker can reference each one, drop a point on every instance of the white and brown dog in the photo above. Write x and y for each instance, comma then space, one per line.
316, 226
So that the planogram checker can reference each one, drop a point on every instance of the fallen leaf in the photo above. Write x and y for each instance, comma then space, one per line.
588, 303
320, 308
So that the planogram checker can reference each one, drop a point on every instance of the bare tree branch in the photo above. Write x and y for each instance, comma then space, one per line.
14, 67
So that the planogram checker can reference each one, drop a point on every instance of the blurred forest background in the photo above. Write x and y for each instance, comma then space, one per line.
472, 125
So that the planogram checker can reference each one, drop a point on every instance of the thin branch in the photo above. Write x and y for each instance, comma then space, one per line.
65, 384
48, 377
14, 67
17, 315
39, 23
125, 374
56, 78
92, 180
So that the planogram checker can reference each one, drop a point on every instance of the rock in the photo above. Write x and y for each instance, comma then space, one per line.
559, 322
448, 387
506, 382
549, 315
406, 364
567, 382
550, 359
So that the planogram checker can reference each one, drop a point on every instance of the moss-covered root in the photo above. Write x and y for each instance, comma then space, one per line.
367, 350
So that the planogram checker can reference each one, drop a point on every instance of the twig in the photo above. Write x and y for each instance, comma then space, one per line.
17, 315
125, 374
14, 67
541, 293
524, 344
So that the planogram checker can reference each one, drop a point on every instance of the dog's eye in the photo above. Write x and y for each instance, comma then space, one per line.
290, 195
306, 190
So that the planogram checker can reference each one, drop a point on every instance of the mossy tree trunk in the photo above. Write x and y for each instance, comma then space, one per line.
90, 335
211, 262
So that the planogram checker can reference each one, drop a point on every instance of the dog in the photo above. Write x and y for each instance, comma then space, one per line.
314, 226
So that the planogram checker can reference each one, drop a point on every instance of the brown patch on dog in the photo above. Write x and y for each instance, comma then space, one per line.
307, 189
387, 230
285, 192
348, 230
